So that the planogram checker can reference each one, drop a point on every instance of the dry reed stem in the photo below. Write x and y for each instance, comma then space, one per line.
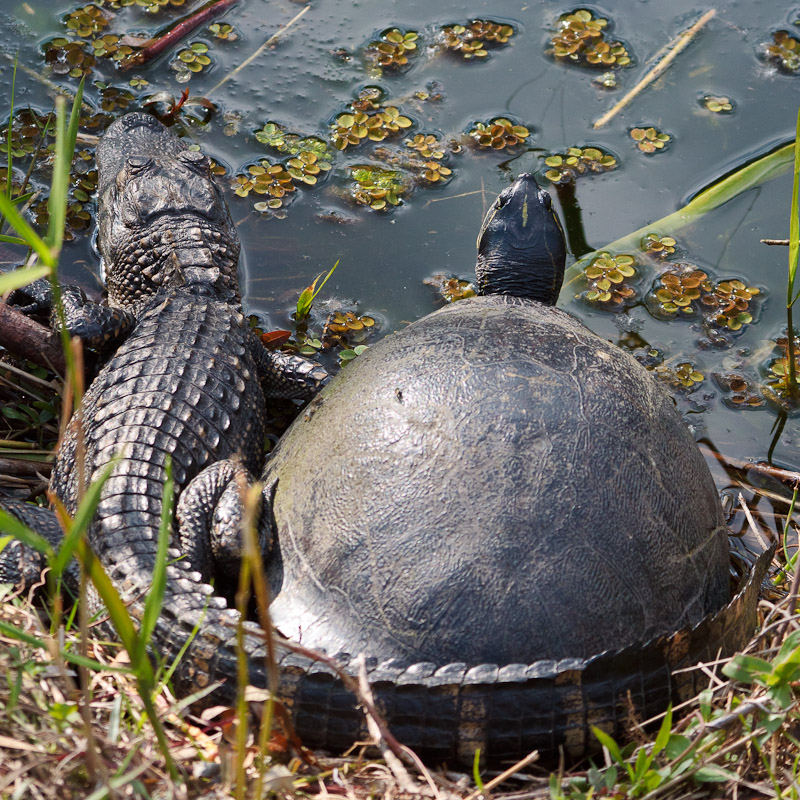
674, 48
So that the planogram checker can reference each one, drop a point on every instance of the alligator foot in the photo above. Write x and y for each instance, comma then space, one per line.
209, 515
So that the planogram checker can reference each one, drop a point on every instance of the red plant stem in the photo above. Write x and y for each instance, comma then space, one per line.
183, 27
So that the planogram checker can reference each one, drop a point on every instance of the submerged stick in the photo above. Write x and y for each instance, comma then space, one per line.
183, 27
272, 39
673, 49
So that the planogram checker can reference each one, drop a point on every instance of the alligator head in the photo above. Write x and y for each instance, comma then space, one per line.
162, 221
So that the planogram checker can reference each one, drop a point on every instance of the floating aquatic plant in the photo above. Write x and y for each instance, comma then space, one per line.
498, 133
193, 58
65, 57
392, 50
739, 391
682, 376
564, 167
265, 178
427, 145
649, 140
717, 104
659, 246
346, 328
108, 46
469, 41
582, 38
784, 52
450, 287
606, 275
224, 31
677, 292
86, 21
376, 187
351, 129
727, 303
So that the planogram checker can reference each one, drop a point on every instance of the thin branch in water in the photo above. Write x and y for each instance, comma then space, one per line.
272, 39
783, 242
674, 48
183, 27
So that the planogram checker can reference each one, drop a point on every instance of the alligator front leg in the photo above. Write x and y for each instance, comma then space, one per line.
97, 325
210, 513
288, 376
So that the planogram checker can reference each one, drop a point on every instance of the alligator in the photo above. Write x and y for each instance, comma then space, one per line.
187, 379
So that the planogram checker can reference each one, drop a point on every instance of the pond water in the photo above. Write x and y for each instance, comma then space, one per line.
316, 69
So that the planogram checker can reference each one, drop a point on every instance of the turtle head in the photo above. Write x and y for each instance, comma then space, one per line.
521, 247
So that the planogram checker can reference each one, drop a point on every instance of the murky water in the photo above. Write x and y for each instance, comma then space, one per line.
383, 257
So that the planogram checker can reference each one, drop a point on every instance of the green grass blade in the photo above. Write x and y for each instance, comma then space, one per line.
10, 139
117, 610
82, 519
25, 231
155, 597
794, 221
11, 239
10, 524
18, 278
66, 136
747, 177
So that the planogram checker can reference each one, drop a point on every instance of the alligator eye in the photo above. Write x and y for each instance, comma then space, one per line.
138, 163
194, 158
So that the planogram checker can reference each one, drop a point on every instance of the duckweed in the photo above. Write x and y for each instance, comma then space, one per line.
581, 38
392, 50
469, 41
649, 140
498, 133
606, 275
564, 167
450, 287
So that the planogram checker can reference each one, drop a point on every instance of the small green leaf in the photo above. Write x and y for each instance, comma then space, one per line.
609, 744
711, 773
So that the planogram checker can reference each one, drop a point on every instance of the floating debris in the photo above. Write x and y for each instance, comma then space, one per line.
649, 140
784, 52
565, 167
392, 50
581, 38
606, 275
450, 287
469, 41
498, 133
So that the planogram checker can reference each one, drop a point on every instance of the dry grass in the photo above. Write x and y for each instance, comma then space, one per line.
51, 746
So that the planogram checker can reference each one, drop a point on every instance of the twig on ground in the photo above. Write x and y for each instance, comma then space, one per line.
272, 39
392, 761
497, 780
30, 340
675, 47
183, 27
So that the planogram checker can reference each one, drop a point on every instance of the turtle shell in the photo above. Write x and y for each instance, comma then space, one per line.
494, 483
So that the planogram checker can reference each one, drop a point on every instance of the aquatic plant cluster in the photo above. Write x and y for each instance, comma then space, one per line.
380, 154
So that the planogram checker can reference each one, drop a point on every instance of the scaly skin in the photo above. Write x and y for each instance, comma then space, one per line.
189, 382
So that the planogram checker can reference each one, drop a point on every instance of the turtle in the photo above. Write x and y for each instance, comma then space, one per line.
494, 483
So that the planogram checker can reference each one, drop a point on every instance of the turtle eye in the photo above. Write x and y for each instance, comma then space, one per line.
503, 197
